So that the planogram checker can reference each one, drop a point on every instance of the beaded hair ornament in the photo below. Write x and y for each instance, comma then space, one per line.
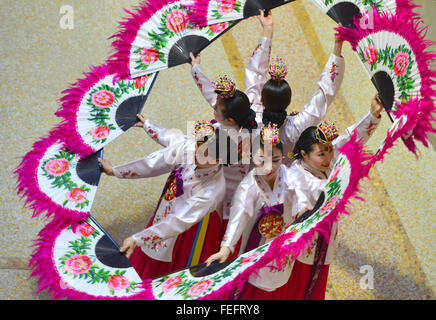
270, 134
203, 129
278, 69
225, 87
326, 132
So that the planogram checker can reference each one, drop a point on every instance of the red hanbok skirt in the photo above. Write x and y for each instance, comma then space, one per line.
149, 268
294, 289
238, 244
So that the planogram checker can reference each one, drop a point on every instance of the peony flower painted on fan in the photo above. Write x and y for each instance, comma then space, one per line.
141, 82
57, 167
100, 133
118, 282
103, 99
226, 6
401, 63
77, 195
219, 27
200, 287
292, 233
250, 258
170, 283
78, 264
149, 56
177, 20
329, 205
84, 229
370, 54
335, 173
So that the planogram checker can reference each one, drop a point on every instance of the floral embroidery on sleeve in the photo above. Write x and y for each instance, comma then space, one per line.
154, 242
128, 174
152, 133
197, 81
333, 72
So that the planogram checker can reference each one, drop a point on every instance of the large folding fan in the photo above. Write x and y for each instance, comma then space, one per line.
344, 11
158, 36
393, 54
98, 109
76, 258
207, 12
57, 181
219, 280
82, 261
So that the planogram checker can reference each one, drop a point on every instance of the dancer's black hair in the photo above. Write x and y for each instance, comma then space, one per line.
239, 109
276, 97
306, 142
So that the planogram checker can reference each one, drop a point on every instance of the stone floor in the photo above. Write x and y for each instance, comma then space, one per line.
393, 232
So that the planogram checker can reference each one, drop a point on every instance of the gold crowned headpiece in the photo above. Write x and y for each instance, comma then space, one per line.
203, 129
278, 69
326, 132
225, 87
270, 134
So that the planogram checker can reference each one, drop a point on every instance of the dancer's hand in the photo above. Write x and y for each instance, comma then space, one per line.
267, 23
107, 166
337, 50
303, 211
221, 255
194, 59
376, 106
128, 246
140, 123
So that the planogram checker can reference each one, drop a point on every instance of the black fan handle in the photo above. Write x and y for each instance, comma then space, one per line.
100, 156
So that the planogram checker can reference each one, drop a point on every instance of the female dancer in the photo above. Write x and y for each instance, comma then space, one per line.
276, 96
237, 118
185, 227
316, 153
262, 206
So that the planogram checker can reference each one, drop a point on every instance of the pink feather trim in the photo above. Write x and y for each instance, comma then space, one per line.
406, 8
409, 109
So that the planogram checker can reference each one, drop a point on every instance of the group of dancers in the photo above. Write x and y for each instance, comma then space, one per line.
214, 207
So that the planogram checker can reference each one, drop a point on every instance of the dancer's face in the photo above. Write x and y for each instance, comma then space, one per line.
263, 158
320, 157
202, 157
